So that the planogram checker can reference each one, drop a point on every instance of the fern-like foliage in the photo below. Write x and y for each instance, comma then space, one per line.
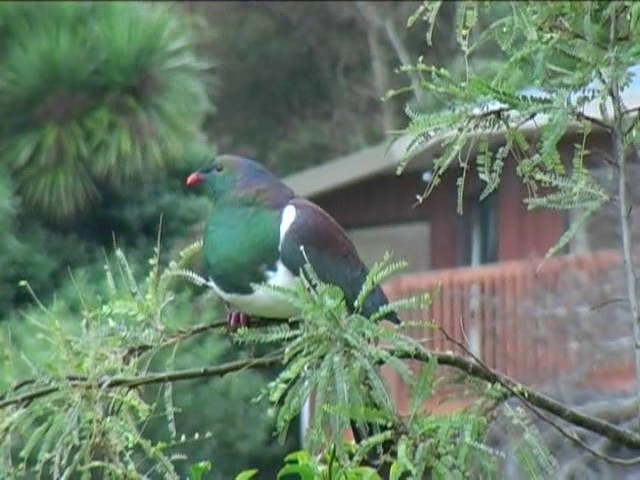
332, 355
531, 453
561, 62
335, 357
83, 430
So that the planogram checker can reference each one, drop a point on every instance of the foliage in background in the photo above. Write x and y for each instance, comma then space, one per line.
17, 259
110, 98
563, 77
93, 96
100, 102
300, 83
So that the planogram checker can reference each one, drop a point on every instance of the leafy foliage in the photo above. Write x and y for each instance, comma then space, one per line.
94, 95
99, 419
107, 327
29, 251
77, 430
572, 57
533, 456
335, 357
118, 328
101, 106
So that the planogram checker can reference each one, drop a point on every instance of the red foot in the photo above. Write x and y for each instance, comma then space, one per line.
237, 320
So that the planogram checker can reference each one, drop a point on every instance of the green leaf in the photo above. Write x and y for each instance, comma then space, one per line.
422, 386
247, 474
198, 469
364, 473
396, 471
303, 470
297, 457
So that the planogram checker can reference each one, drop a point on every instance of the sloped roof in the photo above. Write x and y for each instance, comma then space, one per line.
343, 171
384, 158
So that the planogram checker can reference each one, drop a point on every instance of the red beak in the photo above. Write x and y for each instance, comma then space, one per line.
194, 179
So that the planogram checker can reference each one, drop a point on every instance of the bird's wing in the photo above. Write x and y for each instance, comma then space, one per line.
315, 236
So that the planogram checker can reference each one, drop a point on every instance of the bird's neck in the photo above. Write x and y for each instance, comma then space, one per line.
256, 198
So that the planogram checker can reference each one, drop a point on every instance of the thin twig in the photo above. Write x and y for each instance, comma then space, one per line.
517, 393
595, 121
182, 334
605, 303
147, 379
185, 333
619, 154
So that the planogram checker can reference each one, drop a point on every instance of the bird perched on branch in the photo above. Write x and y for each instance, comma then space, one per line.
260, 232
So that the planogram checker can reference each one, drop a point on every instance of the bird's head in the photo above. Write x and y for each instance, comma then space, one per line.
232, 178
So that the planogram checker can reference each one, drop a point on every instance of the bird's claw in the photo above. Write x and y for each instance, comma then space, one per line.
236, 320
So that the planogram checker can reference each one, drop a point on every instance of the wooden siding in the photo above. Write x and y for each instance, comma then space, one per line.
481, 307
523, 233
384, 199
444, 223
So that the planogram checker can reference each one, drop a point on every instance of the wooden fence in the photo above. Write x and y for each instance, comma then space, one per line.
488, 309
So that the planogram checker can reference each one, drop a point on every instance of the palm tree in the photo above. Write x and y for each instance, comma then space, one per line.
94, 95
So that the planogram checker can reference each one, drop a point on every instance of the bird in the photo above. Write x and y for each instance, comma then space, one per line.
261, 233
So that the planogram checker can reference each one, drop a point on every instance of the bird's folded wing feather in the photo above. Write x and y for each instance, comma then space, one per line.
316, 237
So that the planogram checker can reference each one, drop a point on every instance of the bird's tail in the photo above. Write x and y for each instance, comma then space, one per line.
377, 455
393, 318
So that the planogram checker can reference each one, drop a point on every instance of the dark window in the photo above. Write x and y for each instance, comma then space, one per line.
478, 231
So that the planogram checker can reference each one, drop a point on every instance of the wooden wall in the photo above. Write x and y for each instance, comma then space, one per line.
523, 233
379, 200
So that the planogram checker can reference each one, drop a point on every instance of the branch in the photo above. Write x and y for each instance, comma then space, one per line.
147, 379
403, 55
539, 400
595, 121
374, 21
380, 78
620, 156
182, 334
600, 446
132, 353
193, 373
185, 333
516, 390
470, 367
